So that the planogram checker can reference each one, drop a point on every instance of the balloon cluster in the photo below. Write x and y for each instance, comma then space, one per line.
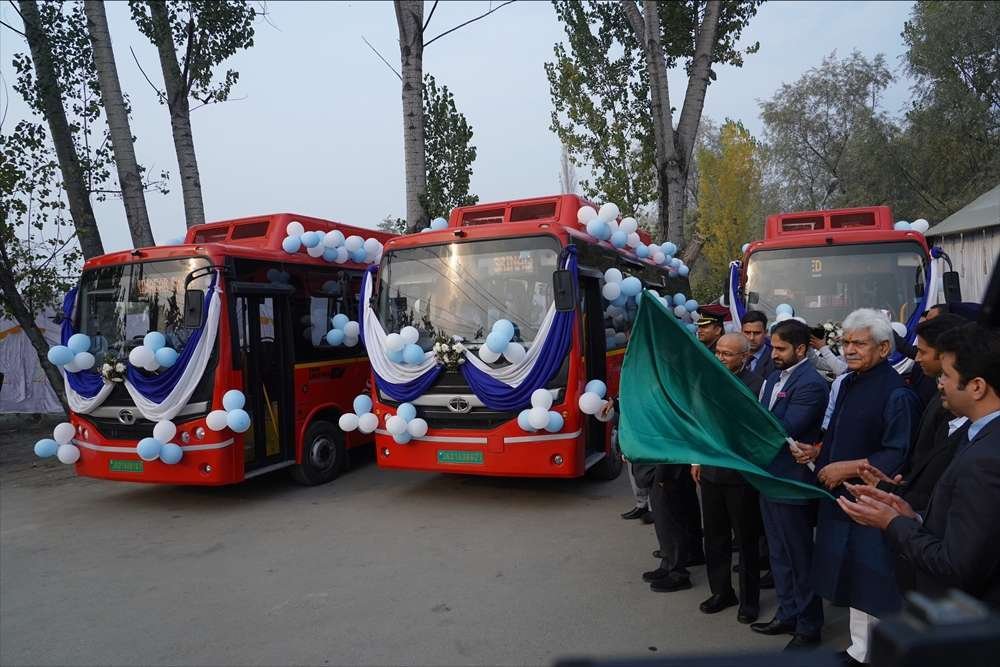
592, 399
59, 445
74, 356
437, 224
540, 415
331, 246
920, 226
402, 348
154, 353
683, 308
233, 415
783, 312
618, 289
405, 424
159, 446
500, 342
345, 331
362, 419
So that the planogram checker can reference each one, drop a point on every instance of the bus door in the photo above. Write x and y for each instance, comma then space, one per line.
266, 359
594, 351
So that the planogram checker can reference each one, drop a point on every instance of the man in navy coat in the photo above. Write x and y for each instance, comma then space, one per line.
754, 327
796, 394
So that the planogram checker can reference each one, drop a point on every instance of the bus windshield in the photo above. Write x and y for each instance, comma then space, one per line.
826, 283
118, 305
461, 289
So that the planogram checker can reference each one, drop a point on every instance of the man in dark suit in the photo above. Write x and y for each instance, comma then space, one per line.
956, 540
730, 505
797, 395
754, 327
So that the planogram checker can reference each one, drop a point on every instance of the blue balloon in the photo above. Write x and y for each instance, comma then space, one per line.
154, 340
439, 223
395, 357
619, 239
620, 301
597, 387
675, 262
60, 355
413, 354
335, 337
684, 270
406, 411
149, 448
679, 299
522, 421
631, 286
497, 342
595, 228
171, 454
330, 254
402, 438
79, 343
691, 305
680, 311
505, 328
238, 420
311, 239
362, 404
46, 447
556, 422
642, 251
783, 309
358, 256
669, 248
166, 356
291, 244
233, 400
340, 321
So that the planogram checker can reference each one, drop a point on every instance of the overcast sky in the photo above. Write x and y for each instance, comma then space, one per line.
317, 125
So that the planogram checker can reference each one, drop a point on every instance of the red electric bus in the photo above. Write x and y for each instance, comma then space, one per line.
497, 261
276, 309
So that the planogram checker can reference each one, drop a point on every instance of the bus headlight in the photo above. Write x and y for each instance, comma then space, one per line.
385, 451
199, 433
185, 437
557, 459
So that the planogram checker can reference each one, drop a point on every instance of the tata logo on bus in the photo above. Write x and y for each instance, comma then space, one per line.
459, 405
126, 417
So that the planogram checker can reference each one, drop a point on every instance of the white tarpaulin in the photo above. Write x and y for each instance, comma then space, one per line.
25, 387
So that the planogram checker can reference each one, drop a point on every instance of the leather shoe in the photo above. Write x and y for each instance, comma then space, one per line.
659, 574
674, 582
635, 513
747, 614
647, 518
767, 582
800, 642
847, 660
717, 603
774, 627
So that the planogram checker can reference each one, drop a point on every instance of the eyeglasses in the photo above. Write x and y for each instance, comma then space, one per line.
728, 355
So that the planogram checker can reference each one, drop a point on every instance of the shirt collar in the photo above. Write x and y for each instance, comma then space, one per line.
981, 423
788, 371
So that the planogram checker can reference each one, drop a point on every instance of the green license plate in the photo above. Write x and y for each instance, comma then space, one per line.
116, 465
454, 456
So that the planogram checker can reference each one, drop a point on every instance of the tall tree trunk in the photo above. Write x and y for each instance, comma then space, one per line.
24, 317
121, 133
410, 21
47, 83
180, 114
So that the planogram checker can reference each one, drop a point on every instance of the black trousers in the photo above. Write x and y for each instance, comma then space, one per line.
732, 509
676, 516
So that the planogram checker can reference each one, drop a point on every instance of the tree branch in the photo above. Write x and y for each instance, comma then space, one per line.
159, 93
472, 20
380, 57
635, 20
7, 25
428, 21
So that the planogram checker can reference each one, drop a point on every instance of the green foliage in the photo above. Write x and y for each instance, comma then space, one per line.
205, 33
448, 152
392, 225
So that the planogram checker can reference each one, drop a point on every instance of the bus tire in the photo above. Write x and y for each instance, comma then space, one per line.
609, 467
324, 454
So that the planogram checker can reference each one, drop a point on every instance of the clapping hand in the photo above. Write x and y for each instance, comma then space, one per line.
872, 476
874, 507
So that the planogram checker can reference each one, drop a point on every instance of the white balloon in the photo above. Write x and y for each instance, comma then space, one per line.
316, 250
140, 356
350, 341
371, 246
899, 328
295, 228
608, 212
164, 431
63, 433
333, 239
585, 214
68, 454
613, 275
612, 226
920, 226
216, 420
352, 330
590, 403
410, 335
514, 353
659, 257
395, 425
354, 243
538, 417
541, 398
72, 366
417, 427
394, 343
367, 422
629, 225
633, 240
488, 355
348, 422
781, 317
611, 291
152, 365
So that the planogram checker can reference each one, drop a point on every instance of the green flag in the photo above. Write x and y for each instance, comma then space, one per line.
680, 405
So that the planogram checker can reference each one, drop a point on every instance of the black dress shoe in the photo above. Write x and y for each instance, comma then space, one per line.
800, 642
747, 614
774, 627
767, 582
675, 582
659, 574
647, 518
717, 603
635, 513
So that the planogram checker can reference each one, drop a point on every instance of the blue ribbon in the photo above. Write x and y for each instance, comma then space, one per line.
734, 280
86, 383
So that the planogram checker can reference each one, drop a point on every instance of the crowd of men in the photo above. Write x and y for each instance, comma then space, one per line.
913, 460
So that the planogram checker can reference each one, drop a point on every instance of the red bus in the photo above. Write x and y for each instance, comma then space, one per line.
256, 318
497, 261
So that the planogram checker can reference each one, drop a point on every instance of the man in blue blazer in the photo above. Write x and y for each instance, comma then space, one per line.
754, 327
797, 396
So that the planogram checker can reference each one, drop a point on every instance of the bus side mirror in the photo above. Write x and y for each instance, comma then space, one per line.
952, 287
194, 302
564, 290
753, 298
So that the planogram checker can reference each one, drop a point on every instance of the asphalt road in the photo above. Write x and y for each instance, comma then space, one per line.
376, 568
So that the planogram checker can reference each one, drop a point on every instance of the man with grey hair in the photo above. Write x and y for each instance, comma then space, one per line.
873, 420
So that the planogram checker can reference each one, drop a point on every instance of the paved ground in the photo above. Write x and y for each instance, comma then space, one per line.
375, 568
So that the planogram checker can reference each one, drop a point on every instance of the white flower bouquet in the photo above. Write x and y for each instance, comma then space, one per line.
832, 336
113, 369
449, 351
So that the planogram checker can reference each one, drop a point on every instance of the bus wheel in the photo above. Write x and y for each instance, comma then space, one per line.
324, 454
609, 467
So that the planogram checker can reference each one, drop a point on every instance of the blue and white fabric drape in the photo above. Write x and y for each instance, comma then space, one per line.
159, 397
736, 307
